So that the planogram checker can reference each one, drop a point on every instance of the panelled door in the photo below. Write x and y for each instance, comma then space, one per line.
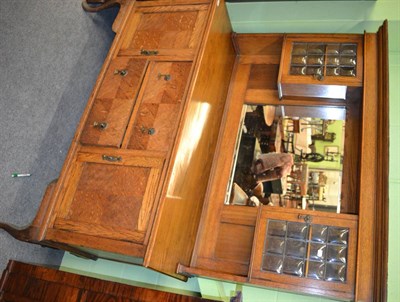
159, 106
110, 195
113, 105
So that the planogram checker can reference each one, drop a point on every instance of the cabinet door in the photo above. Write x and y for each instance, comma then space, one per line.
159, 106
321, 66
301, 248
166, 30
110, 195
113, 105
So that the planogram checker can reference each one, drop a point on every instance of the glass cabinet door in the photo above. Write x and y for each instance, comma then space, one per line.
324, 59
321, 66
306, 248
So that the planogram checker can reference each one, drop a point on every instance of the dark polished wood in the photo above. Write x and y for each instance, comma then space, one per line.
94, 6
22, 282
382, 208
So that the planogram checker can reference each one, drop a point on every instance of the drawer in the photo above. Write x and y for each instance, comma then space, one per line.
159, 106
164, 31
113, 104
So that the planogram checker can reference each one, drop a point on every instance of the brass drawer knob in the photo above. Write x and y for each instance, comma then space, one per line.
145, 52
318, 77
166, 77
149, 131
306, 218
121, 72
112, 158
100, 125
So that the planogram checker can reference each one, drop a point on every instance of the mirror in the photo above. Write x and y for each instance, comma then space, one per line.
289, 156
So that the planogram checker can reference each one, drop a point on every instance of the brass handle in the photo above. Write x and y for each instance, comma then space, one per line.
318, 77
307, 218
121, 72
149, 131
166, 77
145, 52
100, 125
111, 158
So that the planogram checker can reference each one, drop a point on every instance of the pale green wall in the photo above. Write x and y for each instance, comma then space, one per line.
341, 17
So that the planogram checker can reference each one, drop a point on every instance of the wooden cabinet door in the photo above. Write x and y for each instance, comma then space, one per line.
300, 248
113, 105
159, 106
165, 30
110, 195
320, 66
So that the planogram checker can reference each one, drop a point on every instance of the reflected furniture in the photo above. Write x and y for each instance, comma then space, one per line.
148, 171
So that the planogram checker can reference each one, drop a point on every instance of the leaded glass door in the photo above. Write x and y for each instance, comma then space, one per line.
305, 248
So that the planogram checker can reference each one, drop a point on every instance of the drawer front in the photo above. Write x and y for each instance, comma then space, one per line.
169, 30
110, 197
112, 107
158, 113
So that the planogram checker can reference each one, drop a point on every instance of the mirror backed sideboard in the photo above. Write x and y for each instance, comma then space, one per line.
164, 168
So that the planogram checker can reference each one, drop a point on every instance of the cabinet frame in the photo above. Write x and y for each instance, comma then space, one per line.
370, 178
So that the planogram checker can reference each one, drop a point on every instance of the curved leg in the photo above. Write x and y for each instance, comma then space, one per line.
30, 233
27, 234
93, 6
34, 233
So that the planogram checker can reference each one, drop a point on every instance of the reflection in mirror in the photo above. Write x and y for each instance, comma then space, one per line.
289, 156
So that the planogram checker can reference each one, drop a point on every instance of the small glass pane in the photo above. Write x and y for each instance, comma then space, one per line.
313, 70
317, 251
296, 248
299, 60
316, 49
315, 60
338, 235
333, 49
299, 49
333, 71
348, 71
297, 70
319, 233
335, 272
348, 61
272, 263
293, 266
348, 49
316, 270
333, 60
297, 230
277, 228
337, 253
275, 245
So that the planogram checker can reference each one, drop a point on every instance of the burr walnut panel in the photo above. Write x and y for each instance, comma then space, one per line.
112, 107
160, 106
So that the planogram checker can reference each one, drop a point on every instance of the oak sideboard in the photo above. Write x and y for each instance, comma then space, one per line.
161, 159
